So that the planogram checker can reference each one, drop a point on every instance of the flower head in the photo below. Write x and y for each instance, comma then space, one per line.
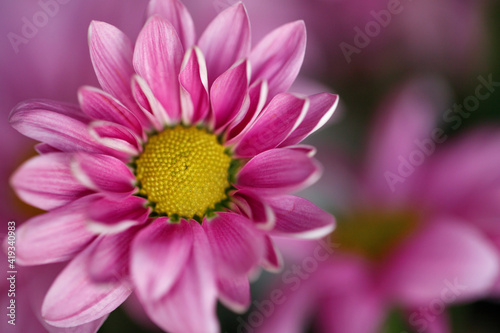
172, 179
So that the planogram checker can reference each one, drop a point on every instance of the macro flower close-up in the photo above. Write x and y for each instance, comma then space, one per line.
172, 179
250, 166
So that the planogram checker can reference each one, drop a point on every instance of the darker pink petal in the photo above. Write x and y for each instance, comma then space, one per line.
272, 260
101, 106
234, 293
255, 209
193, 83
111, 53
320, 110
159, 255
190, 304
228, 95
110, 216
157, 58
47, 182
103, 173
74, 299
274, 124
54, 236
62, 126
176, 13
299, 217
279, 171
278, 57
236, 245
226, 40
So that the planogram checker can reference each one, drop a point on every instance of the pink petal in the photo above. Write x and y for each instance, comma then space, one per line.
177, 14
108, 216
103, 173
226, 40
47, 182
278, 57
234, 293
298, 217
152, 111
54, 236
228, 95
236, 244
101, 106
54, 123
190, 305
283, 114
120, 139
256, 209
110, 255
320, 110
159, 255
157, 58
43, 148
447, 256
111, 53
257, 94
194, 87
73, 299
273, 261
278, 171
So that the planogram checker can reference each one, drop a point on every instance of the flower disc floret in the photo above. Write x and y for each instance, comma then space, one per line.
184, 171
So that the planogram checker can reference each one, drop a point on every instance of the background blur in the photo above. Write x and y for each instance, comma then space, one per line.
353, 50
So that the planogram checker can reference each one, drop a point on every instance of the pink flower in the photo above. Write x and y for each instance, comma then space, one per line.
420, 243
171, 179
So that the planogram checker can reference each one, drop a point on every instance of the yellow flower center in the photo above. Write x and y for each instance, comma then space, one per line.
373, 234
184, 172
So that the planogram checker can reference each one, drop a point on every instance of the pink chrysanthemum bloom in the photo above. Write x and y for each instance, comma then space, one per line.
172, 179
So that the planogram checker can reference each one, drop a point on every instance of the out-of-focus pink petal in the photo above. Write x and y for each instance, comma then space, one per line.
102, 173
236, 246
420, 320
194, 87
157, 58
226, 40
278, 171
53, 123
74, 299
299, 217
406, 119
228, 95
110, 255
101, 106
283, 114
278, 57
111, 53
176, 13
446, 257
256, 209
120, 139
320, 109
159, 255
109, 216
234, 293
47, 182
54, 236
43, 148
195, 290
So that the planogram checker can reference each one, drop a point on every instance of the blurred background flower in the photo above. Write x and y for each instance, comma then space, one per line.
366, 55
